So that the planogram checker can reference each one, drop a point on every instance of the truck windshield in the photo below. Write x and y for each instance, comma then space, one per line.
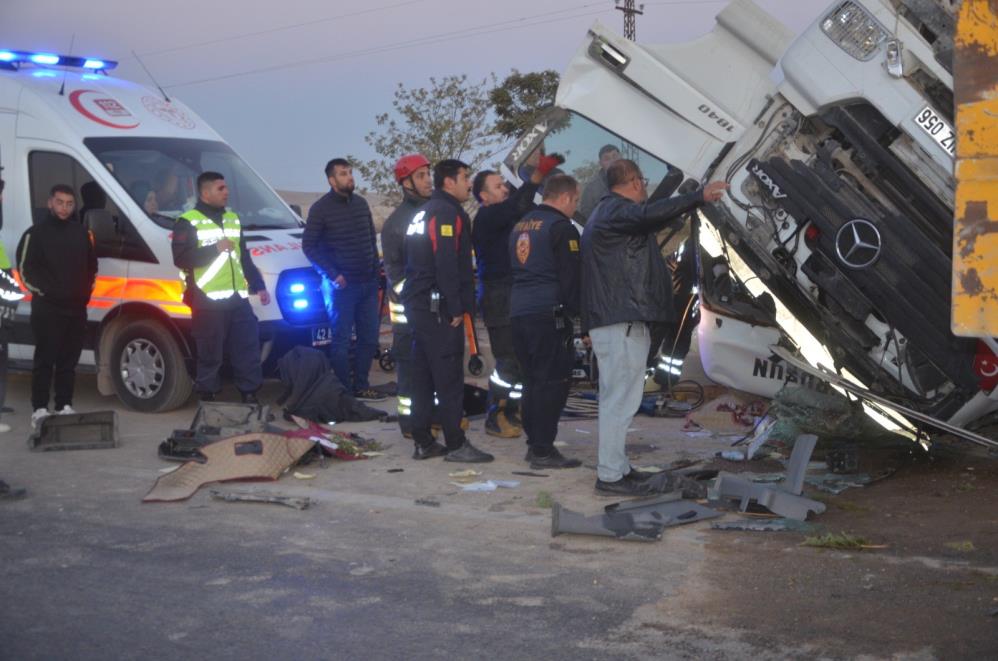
160, 174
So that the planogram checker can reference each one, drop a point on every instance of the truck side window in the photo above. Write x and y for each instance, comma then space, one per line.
114, 235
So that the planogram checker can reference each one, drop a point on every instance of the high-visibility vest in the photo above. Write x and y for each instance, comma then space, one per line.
224, 276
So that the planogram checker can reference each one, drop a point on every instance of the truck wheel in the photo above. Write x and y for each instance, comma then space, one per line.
148, 370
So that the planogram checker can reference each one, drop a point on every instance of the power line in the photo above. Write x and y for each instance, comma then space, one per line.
281, 28
465, 33
630, 28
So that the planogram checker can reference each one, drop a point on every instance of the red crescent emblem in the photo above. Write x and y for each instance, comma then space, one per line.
76, 101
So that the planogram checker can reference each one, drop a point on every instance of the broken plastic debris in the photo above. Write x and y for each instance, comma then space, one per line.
465, 473
373, 454
488, 485
304, 476
733, 455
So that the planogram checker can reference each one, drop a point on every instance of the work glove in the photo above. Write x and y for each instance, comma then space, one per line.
549, 162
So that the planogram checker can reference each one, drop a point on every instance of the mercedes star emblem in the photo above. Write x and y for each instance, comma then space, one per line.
858, 243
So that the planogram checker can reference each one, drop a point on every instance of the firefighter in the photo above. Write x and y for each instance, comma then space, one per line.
58, 265
438, 291
209, 247
412, 172
546, 267
499, 210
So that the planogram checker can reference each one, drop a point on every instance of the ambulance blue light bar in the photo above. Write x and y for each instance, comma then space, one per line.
15, 57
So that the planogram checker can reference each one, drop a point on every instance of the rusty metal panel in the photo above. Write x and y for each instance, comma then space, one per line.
975, 235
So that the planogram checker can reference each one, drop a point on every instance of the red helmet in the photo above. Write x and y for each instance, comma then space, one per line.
409, 164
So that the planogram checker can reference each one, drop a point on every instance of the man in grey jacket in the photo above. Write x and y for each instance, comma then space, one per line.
625, 286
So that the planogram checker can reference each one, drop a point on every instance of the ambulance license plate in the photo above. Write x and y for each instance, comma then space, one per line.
321, 335
938, 129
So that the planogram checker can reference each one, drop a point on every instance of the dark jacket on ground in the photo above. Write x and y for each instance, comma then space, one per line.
438, 257
546, 263
312, 391
187, 256
393, 239
624, 277
490, 232
340, 239
58, 263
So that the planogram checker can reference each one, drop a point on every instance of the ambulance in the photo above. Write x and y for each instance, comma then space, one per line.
132, 155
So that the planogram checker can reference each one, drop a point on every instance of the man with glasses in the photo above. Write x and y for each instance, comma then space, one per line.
625, 286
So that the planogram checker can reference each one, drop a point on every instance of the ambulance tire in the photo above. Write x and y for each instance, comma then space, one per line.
158, 380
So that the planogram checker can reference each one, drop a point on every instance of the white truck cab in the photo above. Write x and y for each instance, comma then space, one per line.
838, 146
132, 156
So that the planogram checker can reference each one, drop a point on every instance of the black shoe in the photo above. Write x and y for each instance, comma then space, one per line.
429, 451
249, 398
206, 396
369, 395
469, 454
530, 455
553, 460
623, 487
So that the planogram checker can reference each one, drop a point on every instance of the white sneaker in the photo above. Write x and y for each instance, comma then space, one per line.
66, 410
38, 416
4, 428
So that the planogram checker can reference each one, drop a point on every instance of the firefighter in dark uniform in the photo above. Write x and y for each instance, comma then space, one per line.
498, 212
208, 246
439, 290
412, 172
546, 265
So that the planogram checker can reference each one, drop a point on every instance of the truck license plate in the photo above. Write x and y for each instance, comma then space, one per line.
938, 129
321, 335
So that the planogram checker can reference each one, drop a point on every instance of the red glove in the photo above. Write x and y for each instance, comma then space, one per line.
549, 162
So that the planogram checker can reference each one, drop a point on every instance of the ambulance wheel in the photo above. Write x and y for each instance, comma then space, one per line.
148, 369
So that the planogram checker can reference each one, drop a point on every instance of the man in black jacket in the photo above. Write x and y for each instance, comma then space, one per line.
625, 286
496, 216
58, 265
209, 247
412, 172
544, 254
340, 241
439, 290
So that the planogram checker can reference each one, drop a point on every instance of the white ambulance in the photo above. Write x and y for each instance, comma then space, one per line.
132, 155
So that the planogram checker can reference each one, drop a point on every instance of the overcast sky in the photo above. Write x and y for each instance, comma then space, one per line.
294, 83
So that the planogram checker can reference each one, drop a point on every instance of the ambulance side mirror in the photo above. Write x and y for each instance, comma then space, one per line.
103, 225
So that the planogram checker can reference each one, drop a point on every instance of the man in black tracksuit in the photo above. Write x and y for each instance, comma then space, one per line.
544, 254
341, 243
439, 290
412, 172
58, 265
222, 319
490, 235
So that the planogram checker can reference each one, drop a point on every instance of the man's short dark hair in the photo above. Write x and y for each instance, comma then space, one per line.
208, 177
64, 189
478, 183
559, 184
448, 168
621, 172
331, 165
606, 149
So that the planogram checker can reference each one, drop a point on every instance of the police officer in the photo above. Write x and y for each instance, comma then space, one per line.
208, 246
545, 260
438, 292
412, 172
498, 212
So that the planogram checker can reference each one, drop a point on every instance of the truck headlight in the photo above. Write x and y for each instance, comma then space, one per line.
854, 30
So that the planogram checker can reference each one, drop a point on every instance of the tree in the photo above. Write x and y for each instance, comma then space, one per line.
447, 119
520, 99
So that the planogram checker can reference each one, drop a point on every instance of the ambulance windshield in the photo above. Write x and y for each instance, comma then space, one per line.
160, 174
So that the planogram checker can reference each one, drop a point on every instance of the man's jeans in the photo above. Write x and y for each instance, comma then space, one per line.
622, 352
355, 305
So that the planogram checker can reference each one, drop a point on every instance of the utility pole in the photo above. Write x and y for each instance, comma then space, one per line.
629, 13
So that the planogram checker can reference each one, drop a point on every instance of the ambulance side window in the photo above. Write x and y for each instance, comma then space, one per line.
114, 234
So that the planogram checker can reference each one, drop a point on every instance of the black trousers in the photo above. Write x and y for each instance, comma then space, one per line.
547, 355
59, 333
234, 329
437, 366
494, 304
402, 354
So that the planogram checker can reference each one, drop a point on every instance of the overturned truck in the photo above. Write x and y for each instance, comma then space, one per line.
839, 148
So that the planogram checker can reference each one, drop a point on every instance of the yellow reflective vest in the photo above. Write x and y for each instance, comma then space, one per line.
224, 276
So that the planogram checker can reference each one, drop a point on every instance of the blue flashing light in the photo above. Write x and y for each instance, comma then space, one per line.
43, 74
93, 64
297, 288
300, 303
44, 58
7, 56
